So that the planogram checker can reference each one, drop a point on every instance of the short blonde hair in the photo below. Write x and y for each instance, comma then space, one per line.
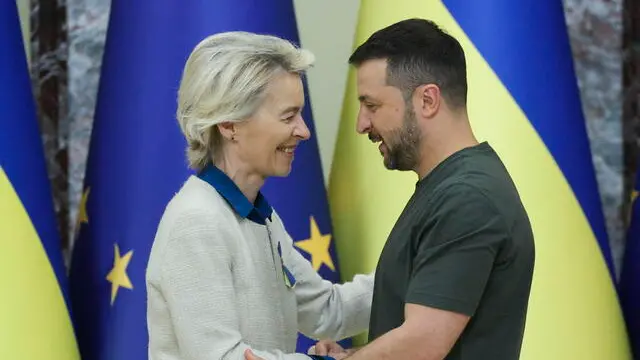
225, 79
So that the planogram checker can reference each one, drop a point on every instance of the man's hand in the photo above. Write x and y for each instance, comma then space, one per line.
326, 347
336, 354
249, 355
330, 348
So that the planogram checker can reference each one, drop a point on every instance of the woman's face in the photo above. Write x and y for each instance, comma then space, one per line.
267, 141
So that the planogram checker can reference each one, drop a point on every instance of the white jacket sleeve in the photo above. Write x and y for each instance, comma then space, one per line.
198, 289
327, 310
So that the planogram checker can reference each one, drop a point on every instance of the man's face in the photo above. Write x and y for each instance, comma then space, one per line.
386, 118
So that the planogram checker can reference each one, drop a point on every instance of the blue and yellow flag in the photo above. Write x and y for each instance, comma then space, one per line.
301, 198
34, 318
523, 99
136, 163
630, 275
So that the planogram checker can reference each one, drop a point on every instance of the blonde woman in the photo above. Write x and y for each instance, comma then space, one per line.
223, 275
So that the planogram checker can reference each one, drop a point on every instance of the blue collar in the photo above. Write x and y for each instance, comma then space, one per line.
257, 212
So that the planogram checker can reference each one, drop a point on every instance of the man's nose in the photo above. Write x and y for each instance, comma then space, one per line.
363, 124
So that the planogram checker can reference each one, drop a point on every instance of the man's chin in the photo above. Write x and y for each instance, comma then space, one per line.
391, 164
388, 163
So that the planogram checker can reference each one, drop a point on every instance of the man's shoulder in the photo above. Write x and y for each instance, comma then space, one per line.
480, 178
458, 190
480, 172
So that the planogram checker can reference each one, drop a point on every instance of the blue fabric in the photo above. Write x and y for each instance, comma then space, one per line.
257, 212
318, 357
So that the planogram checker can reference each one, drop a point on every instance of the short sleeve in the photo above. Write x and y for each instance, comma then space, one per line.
456, 248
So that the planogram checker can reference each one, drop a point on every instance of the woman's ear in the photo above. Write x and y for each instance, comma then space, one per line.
227, 130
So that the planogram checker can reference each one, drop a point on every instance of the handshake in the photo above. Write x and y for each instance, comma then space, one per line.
330, 348
323, 348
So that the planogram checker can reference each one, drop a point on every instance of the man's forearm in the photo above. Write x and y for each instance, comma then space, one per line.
399, 343
396, 344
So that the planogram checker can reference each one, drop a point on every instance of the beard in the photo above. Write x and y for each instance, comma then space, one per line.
403, 147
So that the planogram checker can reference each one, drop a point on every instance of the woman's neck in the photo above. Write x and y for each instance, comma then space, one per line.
249, 183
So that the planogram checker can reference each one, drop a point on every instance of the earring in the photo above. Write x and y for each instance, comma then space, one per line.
233, 137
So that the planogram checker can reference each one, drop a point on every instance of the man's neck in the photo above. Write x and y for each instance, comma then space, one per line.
443, 143
248, 183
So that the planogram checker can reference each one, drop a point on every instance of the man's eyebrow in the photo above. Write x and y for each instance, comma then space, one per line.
367, 98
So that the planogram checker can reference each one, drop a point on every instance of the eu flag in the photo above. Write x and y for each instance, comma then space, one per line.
630, 275
136, 163
34, 317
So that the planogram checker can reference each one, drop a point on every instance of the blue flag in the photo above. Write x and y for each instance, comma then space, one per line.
630, 275
560, 123
137, 163
33, 297
301, 201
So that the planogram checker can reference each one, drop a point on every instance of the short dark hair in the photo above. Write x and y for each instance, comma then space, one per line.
418, 52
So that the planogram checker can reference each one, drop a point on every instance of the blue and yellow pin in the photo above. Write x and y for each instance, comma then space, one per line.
289, 279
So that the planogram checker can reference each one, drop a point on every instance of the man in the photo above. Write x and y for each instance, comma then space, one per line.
454, 277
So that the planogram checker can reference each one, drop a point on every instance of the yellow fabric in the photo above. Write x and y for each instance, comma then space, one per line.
573, 311
34, 321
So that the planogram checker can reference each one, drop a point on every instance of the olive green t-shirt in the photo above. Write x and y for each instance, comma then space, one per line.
463, 243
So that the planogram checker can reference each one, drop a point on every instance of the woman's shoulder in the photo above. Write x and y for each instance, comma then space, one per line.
194, 213
196, 205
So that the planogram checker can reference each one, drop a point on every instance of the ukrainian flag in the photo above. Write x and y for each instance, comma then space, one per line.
34, 320
630, 275
524, 101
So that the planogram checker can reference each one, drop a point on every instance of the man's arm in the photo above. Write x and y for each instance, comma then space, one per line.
427, 334
456, 251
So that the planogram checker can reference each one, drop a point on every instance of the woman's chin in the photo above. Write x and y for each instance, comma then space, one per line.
282, 170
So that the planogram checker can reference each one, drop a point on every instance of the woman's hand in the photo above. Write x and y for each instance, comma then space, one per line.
249, 355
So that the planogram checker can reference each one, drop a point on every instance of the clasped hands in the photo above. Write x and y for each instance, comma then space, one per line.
323, 347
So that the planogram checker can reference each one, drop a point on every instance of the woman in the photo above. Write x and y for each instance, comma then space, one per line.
223, 275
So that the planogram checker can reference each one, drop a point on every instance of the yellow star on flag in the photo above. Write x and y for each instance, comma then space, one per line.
82, 210
318, 247
118, 275
634, 195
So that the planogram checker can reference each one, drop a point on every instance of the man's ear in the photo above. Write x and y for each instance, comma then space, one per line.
428, 99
